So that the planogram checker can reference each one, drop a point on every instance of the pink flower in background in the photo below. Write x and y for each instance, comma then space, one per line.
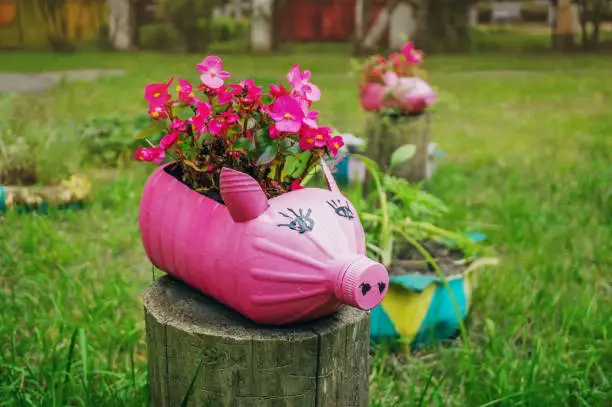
219, 124
227, 93
157, 93
168, 140
412, 55
151, 154
253, 93
288, 114
213, 75
300, 82
334, 144
185, 91
412, 93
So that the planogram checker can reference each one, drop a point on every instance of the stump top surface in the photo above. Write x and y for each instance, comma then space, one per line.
173, 302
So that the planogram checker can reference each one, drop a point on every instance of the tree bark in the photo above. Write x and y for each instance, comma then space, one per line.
121, 24
207, 354
443, 25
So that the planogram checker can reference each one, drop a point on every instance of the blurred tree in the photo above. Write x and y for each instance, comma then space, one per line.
192, 19
443, 25
56, 24
591, 15
121, 24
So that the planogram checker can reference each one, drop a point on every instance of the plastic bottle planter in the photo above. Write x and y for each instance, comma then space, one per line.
295, 257
419, 309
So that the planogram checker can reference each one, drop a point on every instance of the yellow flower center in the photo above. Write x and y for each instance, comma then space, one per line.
319, 137
178, 88
191, 95
156, 94
336, 145
287, 115
155, 115
310, 140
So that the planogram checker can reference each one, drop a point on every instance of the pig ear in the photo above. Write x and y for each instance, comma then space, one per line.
331, 181
243, 197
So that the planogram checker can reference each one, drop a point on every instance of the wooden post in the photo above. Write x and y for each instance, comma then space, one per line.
564, 31
232, 361
384, 137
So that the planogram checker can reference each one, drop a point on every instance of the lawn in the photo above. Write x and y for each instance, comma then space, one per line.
528, 161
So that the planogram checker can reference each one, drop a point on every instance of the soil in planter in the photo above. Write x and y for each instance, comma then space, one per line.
411, 261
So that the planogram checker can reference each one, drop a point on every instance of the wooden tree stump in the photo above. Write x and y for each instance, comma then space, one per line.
235, 362
386, 135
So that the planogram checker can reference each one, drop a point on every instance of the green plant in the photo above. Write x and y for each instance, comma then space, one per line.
396, 213
109, 140
227, 29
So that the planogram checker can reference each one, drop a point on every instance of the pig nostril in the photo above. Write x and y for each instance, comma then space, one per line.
381, 287
365, 288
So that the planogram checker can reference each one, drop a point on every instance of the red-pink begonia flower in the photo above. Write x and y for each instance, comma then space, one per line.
412, 55
334, 144
411, 93
219, 124
158, 112
151, 154
277, 91
185, 91
307, 141
212, 72
228, 92
178, 125
320, 135
300, 82
288, 114
274, 132
253, 92
168, 140
157, 93
296, 184
310, 117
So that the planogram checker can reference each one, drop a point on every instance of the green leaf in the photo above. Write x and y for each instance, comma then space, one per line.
244, 143
369, 163
155, 127
295, 165
267, 156
402, 154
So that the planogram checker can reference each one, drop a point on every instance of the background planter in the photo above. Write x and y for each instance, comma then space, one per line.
69, 194
419, 309
386, 134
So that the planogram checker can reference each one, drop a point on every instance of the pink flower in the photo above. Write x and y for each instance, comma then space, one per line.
253, 93
411, 93
412, 56
152, 154
168, 140
157, 93
334, 144
204, 109
274, 132
278, 91
185, 91
158, 112
212, 72
178, 125
288, 114
300, 82
296, 184
220, 124
319, 135
307, 141
198, 121
227, 93
310, 118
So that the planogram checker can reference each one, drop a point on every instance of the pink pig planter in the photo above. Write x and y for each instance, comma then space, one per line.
295, 257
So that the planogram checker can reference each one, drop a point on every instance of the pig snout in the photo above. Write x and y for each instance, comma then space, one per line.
363, 284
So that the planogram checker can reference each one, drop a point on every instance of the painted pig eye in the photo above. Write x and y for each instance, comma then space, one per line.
341, 209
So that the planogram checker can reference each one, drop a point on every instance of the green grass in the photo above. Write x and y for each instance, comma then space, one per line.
529, 152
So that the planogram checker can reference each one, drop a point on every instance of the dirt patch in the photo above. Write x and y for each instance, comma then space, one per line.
410, 261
